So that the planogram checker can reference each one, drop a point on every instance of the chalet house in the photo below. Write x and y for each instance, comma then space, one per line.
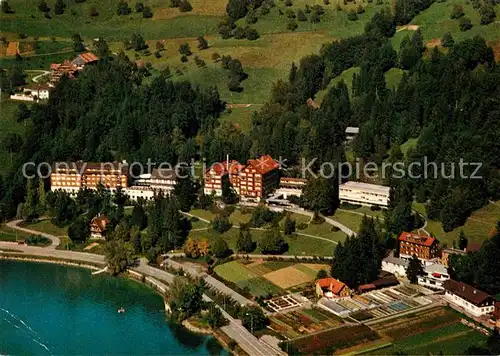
424, 247
331, 288
98, 227
472, 300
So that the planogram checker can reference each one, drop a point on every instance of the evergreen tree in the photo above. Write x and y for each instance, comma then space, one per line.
219, 247
414, 270
447, 40
228, 194
185, 193
244, 243
272, 242
42, 198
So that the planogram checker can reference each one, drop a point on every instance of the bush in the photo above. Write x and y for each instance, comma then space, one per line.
301, 16
147, 13
184, 59
93, 12
185, 6
334, 228
251, 34
301, 226
290, 14
465, 24
360, 9
375, 208
315, 18
291, 25
457, 11
317, 220
37, 240
157, 54
239, 33
352, 16
139, 7
288, 3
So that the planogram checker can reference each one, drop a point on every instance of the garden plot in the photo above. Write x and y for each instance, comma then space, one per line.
284, 302
303, 322
376, 304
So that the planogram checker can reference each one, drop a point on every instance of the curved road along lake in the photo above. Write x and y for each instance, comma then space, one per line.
50, 309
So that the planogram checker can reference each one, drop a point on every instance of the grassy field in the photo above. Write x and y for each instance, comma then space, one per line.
430, 332
345, 76
435, 22
241, 116
298, 245
411, 143
263, 278
9, 234
476, 229
9, 125
46, 226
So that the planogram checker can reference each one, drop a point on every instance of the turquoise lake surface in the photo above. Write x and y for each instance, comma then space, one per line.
48, 309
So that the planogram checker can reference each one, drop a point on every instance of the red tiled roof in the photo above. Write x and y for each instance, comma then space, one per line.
263, 164
333, 285
221, 168
473, 247
88, 57
417, 239
100, 221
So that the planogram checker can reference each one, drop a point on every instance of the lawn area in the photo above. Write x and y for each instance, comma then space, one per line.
297, 245
262, 278
241, 117
108, 24
8, 125
352, 221
9, 234
46, 226
451, 340
393, 77
411, 143
345, 76
476, 228
435, 22
203, 214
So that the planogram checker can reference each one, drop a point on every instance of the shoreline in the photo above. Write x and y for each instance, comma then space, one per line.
152, 283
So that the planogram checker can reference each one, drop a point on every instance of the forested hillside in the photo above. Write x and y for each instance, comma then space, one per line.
449, 100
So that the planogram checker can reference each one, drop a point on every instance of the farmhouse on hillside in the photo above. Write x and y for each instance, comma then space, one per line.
98, 227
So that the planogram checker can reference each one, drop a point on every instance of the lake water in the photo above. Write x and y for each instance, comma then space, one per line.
50, 309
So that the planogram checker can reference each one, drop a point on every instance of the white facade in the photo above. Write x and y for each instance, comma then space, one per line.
469, 307
136, 192
395, 265
22, 97
435, 275
351, 133
364, 194
39, 92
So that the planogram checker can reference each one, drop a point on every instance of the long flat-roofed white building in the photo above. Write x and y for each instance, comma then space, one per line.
364, 194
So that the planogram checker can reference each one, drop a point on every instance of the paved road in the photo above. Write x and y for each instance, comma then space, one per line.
252, 255
44, 73
51, 252
55, 240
